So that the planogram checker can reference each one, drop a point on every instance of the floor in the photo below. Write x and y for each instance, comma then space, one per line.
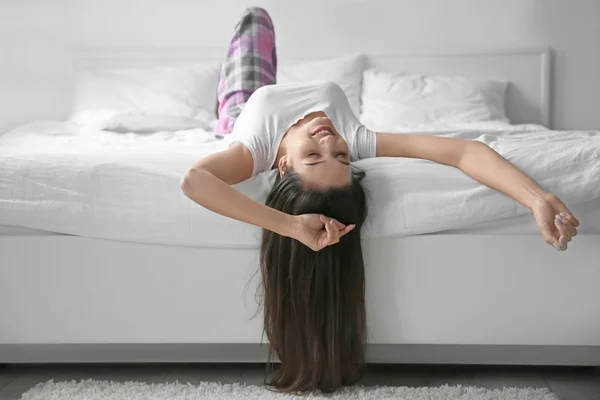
570, 383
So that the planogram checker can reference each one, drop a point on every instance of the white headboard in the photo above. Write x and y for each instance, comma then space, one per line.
528, 95
528, 71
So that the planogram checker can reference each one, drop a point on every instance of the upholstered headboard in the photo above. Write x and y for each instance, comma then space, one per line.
528, 71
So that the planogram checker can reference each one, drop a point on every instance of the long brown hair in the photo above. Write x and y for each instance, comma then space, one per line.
314, 302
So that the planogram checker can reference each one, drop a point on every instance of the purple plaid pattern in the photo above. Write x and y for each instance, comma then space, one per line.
251, 62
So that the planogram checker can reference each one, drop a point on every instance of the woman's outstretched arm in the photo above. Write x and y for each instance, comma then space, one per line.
208, 183
486, 166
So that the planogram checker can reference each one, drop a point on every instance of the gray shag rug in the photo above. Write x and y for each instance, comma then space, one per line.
107, 390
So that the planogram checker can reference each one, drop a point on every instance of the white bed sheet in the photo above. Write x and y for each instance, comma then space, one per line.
126, 186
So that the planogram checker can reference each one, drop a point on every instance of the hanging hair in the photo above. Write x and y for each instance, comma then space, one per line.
314, 302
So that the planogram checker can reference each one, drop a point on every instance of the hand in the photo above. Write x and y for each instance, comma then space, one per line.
318, 231
555, 222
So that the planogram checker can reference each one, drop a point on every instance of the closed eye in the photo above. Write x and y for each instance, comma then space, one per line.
317, 155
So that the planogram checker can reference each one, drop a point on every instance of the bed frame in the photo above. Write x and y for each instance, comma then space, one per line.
437, 298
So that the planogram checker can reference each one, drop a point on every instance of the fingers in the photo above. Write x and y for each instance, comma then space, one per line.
564, 211
563, 230
334, 230
568, 224
560, 234
565, 235
570, 217
325, 238
347, 229
333, 234
551, 237
337, 223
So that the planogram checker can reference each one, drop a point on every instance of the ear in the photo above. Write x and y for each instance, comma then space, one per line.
284, 164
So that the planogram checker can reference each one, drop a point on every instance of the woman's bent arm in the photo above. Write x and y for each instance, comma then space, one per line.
208, 184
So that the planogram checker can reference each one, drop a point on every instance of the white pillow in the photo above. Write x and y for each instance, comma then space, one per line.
346, 71
394, 99
124, 99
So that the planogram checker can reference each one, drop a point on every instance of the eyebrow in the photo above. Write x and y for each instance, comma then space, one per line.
319, 162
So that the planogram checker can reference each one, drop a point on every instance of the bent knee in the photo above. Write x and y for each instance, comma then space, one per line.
257, 12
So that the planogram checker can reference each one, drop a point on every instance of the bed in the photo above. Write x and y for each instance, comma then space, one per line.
102, 259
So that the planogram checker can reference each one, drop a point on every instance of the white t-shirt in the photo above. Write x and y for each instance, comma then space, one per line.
273, 109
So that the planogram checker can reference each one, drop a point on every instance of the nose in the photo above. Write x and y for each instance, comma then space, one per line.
327, 140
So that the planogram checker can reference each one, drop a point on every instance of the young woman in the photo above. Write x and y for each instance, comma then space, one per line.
311, 258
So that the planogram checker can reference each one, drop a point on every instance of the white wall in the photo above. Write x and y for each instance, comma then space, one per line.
36, 37
34, 63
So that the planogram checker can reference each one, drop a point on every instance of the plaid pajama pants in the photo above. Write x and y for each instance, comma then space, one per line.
251, 62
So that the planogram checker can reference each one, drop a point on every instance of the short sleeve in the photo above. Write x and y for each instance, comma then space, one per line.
249, 129
258, 150
366, 142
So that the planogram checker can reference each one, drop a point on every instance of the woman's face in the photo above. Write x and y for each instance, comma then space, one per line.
316, 152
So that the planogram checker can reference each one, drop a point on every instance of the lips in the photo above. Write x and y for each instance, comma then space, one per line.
323, 131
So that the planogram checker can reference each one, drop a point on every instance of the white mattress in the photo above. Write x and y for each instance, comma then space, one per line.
11, 230
126, 186
588, 212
